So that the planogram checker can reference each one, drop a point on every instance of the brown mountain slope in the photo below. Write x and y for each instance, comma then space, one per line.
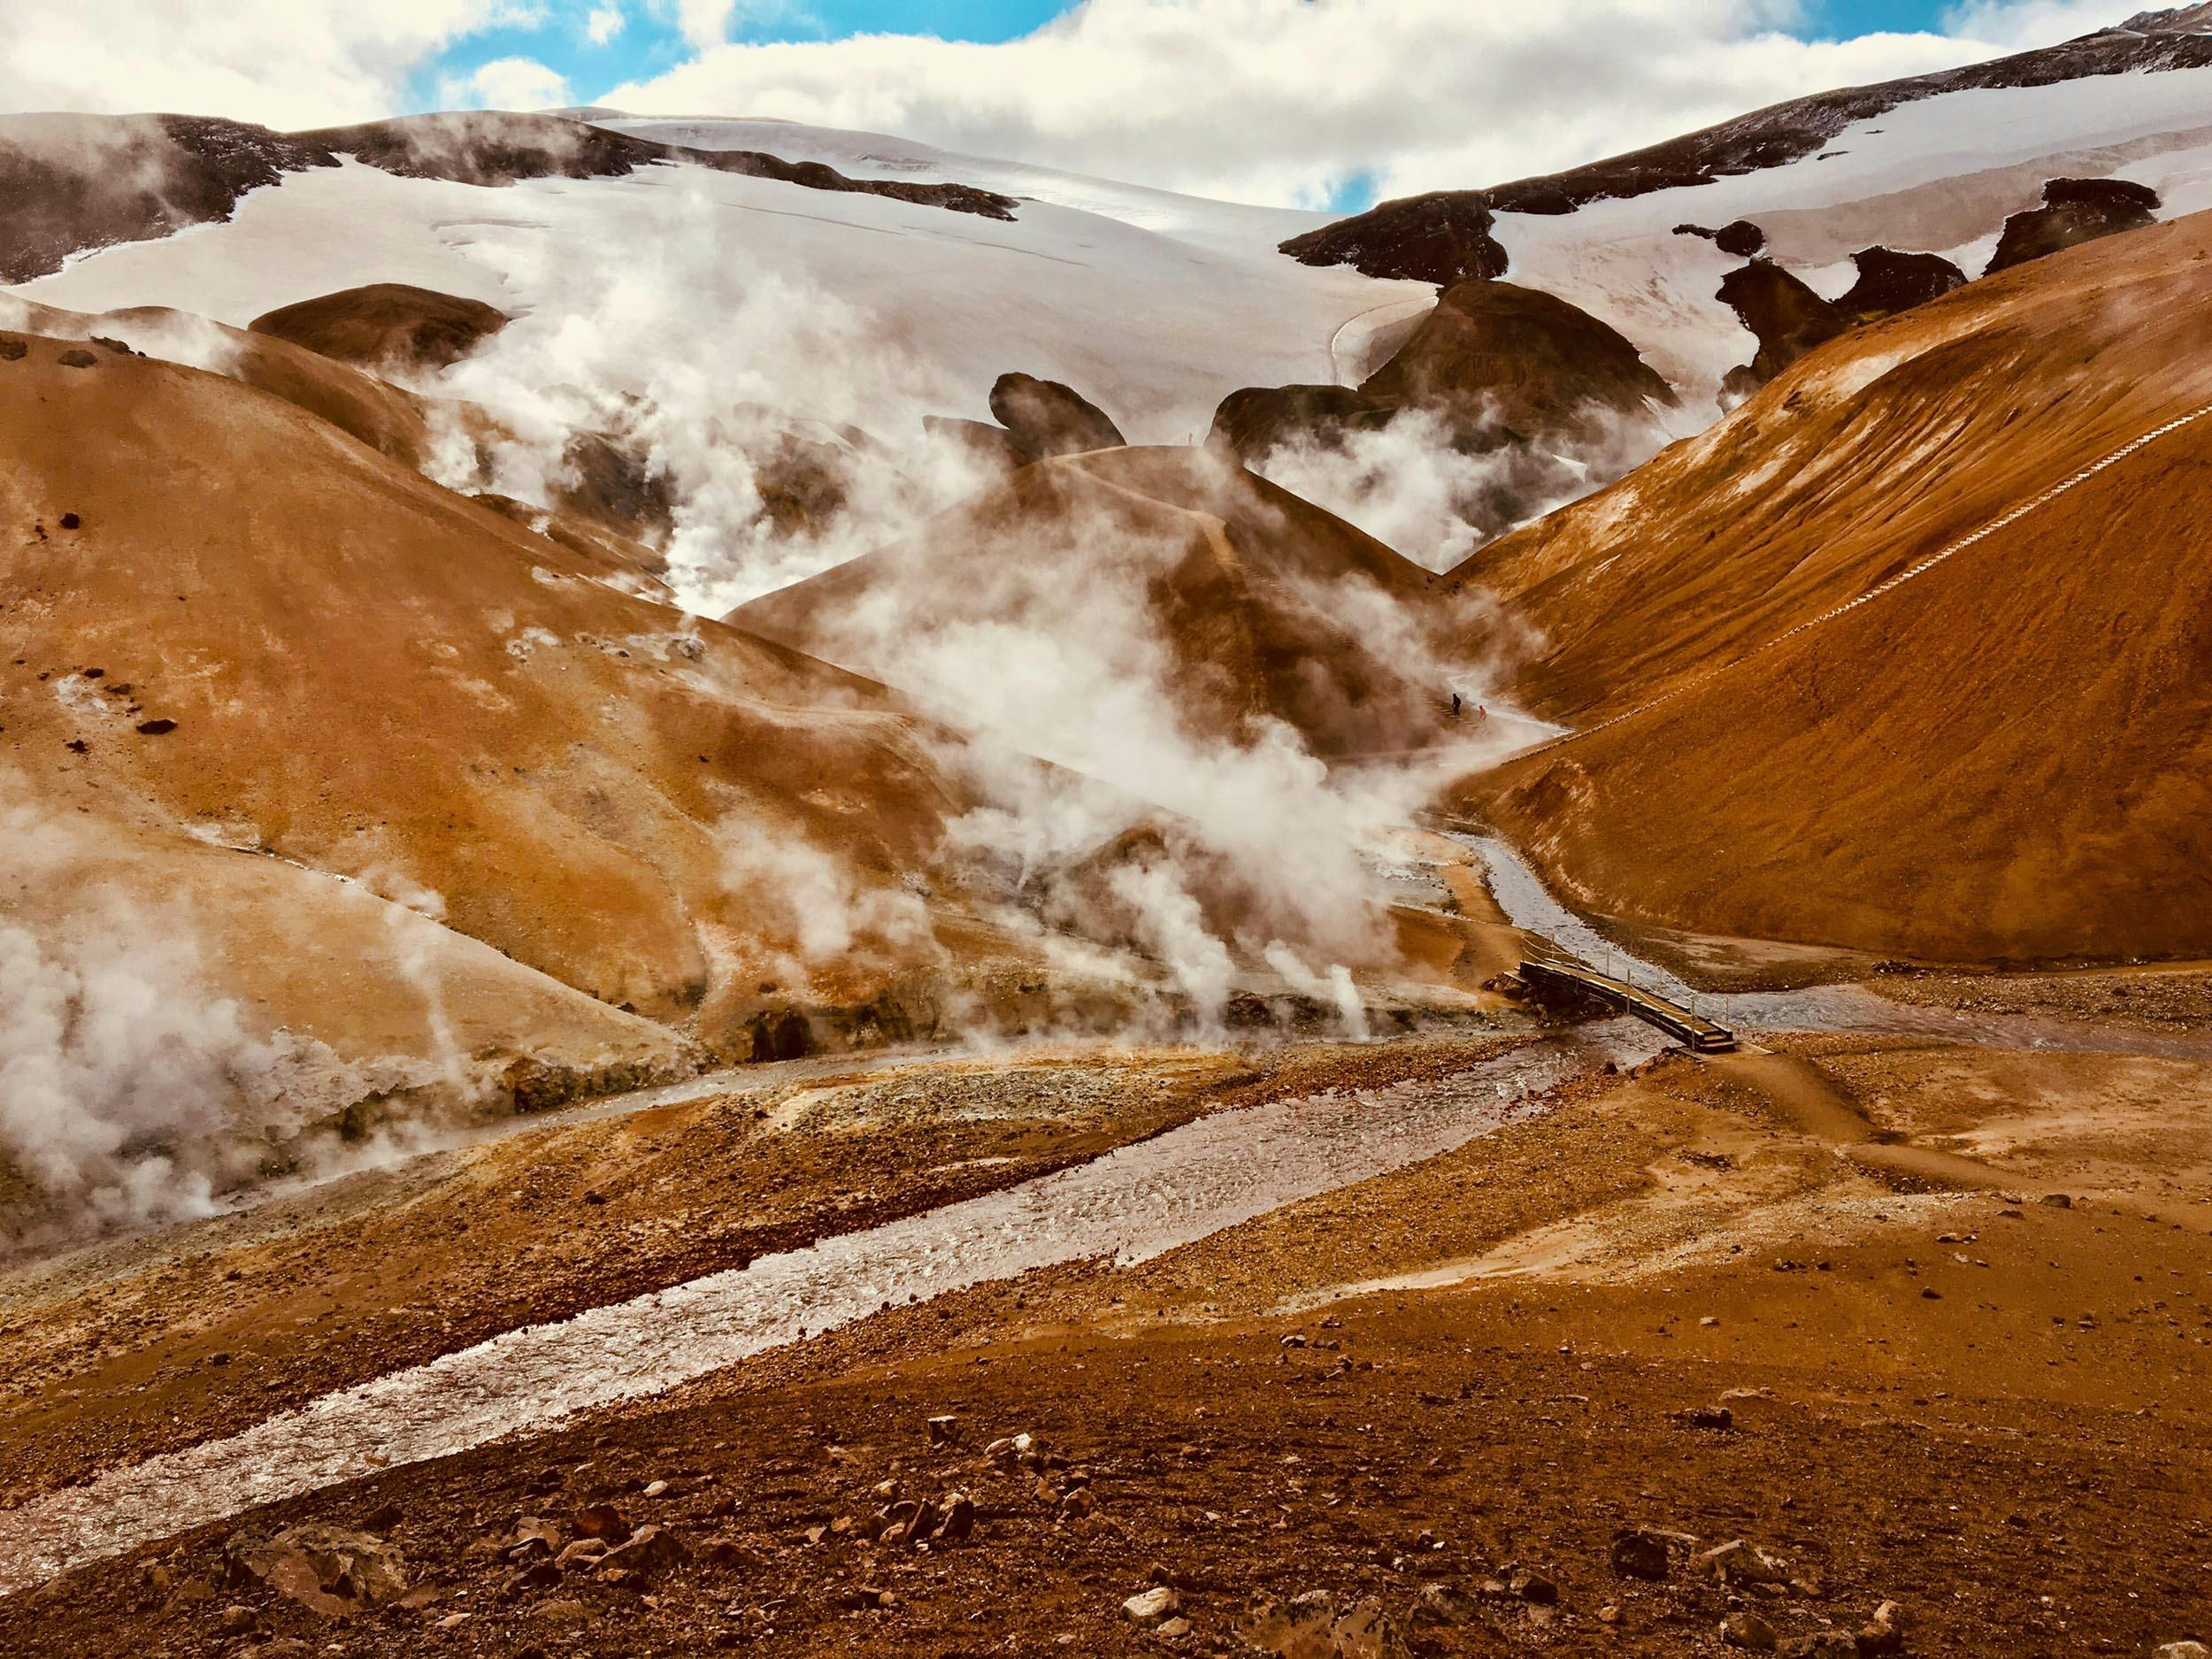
2005, 755
226, 621
386, 323
1251, 598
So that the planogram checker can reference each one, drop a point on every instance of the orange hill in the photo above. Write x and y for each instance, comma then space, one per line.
228, 624
1262, 605
2005, 757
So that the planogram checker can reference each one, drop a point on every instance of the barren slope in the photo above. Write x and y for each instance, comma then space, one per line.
1244, 601
375, 677
2003, 756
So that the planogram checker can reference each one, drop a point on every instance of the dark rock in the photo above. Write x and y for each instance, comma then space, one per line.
784, 1035
601, 1520
1045, 418
1889, 282
2058, 1200
1740, 237
12, 351
157, 727
107, 343
1533, 1586
1638, 1553
77, 358
944, 1430
1787, 317
1443, 238
1251, 421
70, 521
2074, 210
1707, 1416
958, 1510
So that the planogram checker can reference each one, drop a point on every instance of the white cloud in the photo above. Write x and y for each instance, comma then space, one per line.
604, 24
2018, 25
288, 62
506, 83
1273, 100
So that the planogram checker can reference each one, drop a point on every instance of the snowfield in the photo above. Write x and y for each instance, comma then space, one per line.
1939, 175
1154, 305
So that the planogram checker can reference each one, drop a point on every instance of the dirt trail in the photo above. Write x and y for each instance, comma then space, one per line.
1813, 1106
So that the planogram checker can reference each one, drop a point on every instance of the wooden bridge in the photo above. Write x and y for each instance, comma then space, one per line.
1700, 1035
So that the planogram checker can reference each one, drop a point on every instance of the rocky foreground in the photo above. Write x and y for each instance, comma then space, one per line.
1856, 1345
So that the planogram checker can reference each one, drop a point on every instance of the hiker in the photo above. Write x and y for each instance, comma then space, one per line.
1454, 705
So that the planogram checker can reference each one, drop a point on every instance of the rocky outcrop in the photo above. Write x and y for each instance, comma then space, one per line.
1442, 238
1257, 418
1738, 236
1495, 363
74, 182
1787, 317
386, 325
1047, 417
2074, 210
1541, 389
1889, 282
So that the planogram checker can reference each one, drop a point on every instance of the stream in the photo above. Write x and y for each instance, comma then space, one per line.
1132, 1203
1528, 904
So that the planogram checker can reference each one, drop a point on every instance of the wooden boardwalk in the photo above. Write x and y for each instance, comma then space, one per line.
1698, 1034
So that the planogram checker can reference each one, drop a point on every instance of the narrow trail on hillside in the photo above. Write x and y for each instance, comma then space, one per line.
1921, 567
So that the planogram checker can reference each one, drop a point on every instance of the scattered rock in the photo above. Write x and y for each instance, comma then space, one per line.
1149, 1608
1884, 1632
1648, 1552
1296, 1629
1820, 1644
1748, 1630
601, 1520
12, 351
1533, 1586
77, 358
1706, 1418
649, 1551
328, 1570
2181, 1650
1446, 1604
2058, 1200
1739, 1562
944, 1430
237, 1621
1363, 1631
